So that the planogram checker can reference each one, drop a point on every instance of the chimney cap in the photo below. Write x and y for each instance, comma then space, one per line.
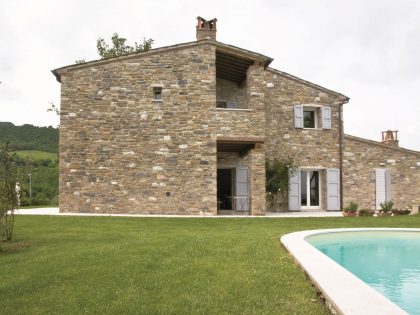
390, 137
206, 29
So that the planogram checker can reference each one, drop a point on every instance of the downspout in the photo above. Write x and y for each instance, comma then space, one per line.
341, 136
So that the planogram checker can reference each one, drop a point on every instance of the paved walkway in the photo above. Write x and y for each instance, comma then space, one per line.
301, 214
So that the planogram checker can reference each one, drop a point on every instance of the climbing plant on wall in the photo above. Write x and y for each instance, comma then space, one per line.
277, 182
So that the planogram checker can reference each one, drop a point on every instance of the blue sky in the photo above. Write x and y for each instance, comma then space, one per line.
367, 50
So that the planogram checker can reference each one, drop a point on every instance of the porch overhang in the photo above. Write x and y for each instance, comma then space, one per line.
242, 145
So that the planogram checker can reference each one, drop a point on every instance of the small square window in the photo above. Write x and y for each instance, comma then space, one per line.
157, 93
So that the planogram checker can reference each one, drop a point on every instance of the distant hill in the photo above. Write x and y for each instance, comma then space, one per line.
29, 137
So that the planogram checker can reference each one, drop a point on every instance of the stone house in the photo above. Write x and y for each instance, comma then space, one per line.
188, 128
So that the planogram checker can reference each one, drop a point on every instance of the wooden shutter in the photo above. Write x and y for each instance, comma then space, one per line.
333, 189
294, 191
326, 117
383, 186
298, 111
388, 192
241, 199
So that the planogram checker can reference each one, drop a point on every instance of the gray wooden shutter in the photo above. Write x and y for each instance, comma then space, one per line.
388, 192
326, 117
333, 189
383, 186
294, 191
380, 186
298, 111
241, 199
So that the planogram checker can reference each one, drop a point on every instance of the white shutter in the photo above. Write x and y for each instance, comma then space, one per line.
388, 192
383, 186
298, 112
326, 117
294, 191
241, 199
333, 189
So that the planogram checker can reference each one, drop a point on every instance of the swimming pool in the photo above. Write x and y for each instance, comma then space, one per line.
360, 271
388, 261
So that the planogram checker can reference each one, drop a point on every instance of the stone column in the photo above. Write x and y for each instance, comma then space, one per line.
257, 181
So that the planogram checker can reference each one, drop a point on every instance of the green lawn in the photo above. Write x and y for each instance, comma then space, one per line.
37, 155
112, 265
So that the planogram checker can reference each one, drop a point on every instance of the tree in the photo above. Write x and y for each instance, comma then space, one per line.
120, 48
53, 108
9, 192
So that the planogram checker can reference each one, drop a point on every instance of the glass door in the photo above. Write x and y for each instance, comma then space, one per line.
309, 189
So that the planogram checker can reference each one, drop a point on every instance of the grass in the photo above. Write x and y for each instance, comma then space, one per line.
112, 265
37, 155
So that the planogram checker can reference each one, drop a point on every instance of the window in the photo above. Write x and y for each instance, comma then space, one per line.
312, 117
221, 104
309, 118
225, 104
157, 93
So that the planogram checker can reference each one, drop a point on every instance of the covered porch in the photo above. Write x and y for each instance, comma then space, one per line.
240, 176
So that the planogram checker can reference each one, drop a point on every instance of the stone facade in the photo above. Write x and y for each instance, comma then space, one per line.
362, 157
122, 150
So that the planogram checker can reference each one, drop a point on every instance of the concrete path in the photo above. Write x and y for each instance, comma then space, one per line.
302, 214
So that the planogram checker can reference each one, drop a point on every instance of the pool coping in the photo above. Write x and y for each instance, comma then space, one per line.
344, 293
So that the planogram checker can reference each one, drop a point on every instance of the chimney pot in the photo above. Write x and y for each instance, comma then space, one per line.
206, 29
390, 137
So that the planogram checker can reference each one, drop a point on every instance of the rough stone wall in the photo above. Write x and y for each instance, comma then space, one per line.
230, 91
362, 157
123, 152
310, 148
257, 181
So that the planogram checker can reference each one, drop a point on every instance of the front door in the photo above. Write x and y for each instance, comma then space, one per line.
309, 190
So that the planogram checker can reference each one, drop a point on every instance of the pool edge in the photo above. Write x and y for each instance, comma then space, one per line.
343, 291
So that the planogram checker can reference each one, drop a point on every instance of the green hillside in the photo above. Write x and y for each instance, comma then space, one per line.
36, 154
29, 137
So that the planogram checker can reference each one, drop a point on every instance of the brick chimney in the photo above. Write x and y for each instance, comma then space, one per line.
390, 137
206, 29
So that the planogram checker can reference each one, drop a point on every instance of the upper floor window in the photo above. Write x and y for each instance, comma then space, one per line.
226, 104
157, 93
312, 117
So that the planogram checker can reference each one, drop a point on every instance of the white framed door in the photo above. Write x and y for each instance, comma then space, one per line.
310, 190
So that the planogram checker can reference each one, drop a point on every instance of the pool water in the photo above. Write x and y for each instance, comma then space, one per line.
388, 261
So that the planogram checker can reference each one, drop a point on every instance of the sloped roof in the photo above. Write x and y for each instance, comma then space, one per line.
380, 144
221, 47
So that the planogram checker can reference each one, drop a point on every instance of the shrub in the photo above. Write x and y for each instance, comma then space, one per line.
366, 213
277, 181
9, 192
352, 207
386, 206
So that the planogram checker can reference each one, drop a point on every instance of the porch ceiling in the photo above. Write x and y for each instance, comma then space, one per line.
232, 68
242, 146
